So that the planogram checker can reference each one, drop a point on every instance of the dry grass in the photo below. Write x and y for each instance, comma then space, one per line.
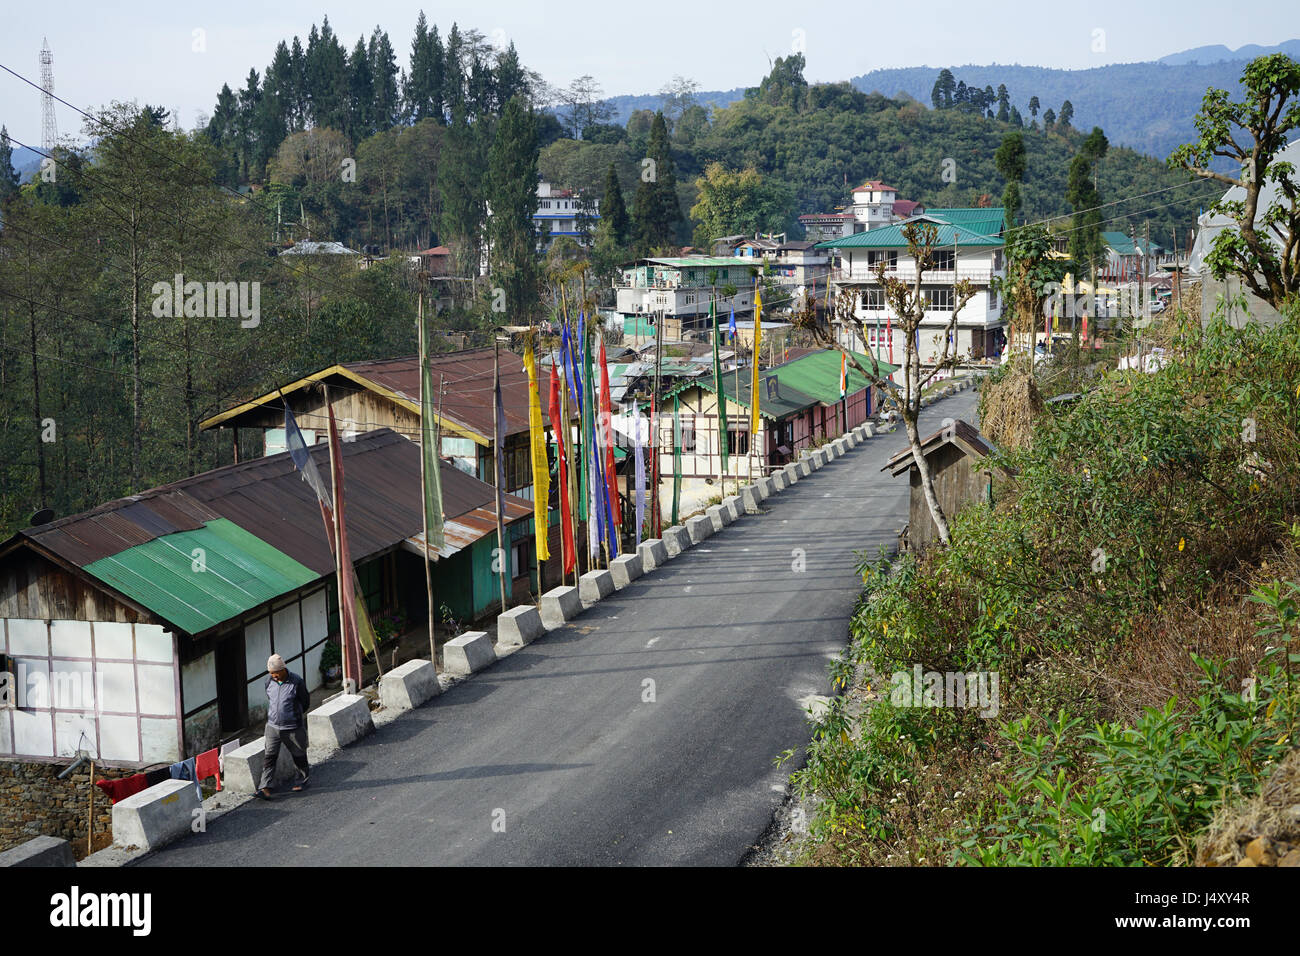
1273, 813
1009, 410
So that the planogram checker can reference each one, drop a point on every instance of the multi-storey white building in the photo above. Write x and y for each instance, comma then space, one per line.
968, 245
558, 214
874, 205
679, 289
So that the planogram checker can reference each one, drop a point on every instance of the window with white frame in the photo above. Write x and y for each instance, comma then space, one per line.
937, 300
873, 300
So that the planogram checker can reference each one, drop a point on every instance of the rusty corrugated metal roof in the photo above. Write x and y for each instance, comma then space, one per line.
268, 498
467, 374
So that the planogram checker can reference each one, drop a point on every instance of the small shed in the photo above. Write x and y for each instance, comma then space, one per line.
957, 456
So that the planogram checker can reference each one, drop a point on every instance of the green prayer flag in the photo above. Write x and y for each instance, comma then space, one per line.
677, 456
717, 388
430, 442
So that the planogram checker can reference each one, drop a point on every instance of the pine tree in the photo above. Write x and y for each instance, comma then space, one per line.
360, 94
418, 93
1033, 107
510, 79
1067, 114
460, 183
1010, 161
947, 85
655, 209
512, 197
453, 74
301, 104
1081, 191
8, 175
613, 212
1004, 104
385, 107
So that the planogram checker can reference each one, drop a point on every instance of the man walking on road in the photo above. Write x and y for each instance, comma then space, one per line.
286, 722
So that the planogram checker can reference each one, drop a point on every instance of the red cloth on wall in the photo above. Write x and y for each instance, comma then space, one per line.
121, 789
208, 765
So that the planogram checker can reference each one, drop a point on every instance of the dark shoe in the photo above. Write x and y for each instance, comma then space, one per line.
301, 784
264, 794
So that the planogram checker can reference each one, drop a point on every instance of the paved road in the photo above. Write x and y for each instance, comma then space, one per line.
556, 743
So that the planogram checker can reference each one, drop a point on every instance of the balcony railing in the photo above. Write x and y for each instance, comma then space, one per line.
908, 274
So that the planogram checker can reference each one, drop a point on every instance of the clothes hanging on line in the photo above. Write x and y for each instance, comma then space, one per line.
121, 789
207, 765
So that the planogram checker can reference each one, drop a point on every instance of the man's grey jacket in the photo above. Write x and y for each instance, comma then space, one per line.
287, 702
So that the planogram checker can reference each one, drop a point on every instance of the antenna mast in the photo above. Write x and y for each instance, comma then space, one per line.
49, 128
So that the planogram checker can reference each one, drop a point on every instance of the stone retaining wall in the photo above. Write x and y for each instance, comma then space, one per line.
34, 802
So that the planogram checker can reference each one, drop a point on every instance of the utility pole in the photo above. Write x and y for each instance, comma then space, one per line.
657, 511
499, 464
424, 486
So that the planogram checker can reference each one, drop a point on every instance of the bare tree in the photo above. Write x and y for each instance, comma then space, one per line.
584, 102
908, 303
679, 95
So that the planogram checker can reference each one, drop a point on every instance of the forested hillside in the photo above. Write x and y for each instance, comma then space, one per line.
1145, 106
822, 140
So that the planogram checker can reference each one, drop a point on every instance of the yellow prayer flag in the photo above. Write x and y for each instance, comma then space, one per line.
758, 344
541, 465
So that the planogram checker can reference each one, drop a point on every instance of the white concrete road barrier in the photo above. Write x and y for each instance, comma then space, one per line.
676, 540
625, 569
595, 585
46, 851
700, 527
519, 626
243, 767
560, 605
472, 651
653, 554
339, 721
409, 685
155, 816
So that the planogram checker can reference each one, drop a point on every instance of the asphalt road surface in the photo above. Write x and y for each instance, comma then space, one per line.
564, 753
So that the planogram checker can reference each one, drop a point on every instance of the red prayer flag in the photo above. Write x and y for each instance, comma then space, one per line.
607, 418
560, 426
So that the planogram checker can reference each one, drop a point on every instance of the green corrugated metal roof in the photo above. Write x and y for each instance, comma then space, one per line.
818, 374
791, 402
891, 237
1123, 245
809, 380
241, 572
987, 221
705, 262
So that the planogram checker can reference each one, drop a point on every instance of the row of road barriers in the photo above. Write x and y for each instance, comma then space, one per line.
165, 812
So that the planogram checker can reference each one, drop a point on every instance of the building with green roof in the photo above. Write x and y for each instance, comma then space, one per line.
678, 289
968, 246
799, 407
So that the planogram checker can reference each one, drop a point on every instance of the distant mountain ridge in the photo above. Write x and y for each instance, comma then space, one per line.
1219, 53
1117, 97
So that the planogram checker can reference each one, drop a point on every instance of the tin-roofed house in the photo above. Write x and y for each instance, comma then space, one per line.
968, 246
385, 393
139, 631
799, 407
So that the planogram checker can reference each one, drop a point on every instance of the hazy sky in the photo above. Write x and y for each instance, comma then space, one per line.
146, 51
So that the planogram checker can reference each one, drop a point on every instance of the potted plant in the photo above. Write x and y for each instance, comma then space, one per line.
331, 664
